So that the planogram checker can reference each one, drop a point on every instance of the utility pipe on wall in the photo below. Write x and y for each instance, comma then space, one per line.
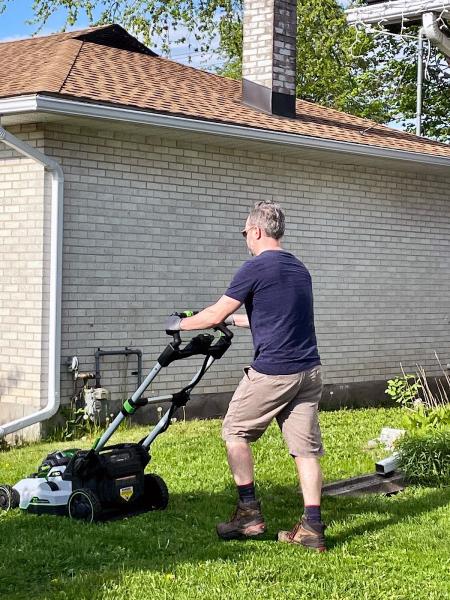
54, 332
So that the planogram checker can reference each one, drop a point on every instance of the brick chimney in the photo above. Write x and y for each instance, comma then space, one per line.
269, 55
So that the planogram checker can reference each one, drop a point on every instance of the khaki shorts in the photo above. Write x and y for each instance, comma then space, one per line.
290, 399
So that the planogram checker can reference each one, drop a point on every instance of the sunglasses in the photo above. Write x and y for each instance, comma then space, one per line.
245, 231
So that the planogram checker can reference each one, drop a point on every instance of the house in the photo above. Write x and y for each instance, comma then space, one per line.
125, 179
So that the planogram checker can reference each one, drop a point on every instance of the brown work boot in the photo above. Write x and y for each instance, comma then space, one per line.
305, 533
246, 522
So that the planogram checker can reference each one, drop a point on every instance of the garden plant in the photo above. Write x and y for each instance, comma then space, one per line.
424, 449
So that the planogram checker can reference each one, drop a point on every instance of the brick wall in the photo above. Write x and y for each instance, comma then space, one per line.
23, 281
269, 46
257, 60
153, 225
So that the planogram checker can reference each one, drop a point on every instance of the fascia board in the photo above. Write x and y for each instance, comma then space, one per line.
60, 106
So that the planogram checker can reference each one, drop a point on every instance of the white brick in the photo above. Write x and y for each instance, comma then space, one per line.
376, 242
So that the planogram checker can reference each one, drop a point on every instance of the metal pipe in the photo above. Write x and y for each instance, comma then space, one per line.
157, 429
386, 466
126, 352
54, 329
150, 377
110, 430
419, 84
121, 415
164, 420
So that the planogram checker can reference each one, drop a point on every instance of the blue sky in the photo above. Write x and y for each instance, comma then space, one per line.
13, 25
13, 21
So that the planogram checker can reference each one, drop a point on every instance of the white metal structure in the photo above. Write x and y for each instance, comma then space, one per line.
433, 32
396, 11
402, 12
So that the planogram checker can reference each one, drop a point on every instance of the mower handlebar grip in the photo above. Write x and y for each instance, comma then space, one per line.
187, 313
190, 313
224, 329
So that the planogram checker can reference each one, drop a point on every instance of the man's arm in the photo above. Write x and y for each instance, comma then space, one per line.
241, 321
213, 315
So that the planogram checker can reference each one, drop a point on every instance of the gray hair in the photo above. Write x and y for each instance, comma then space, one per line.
269, 216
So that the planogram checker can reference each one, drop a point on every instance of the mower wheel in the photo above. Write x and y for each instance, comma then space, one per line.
156, 494
9, 497
84, 505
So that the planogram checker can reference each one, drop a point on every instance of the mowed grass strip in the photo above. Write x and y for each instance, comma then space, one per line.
380, 548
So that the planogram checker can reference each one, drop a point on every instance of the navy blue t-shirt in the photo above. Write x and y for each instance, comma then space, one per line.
277, 291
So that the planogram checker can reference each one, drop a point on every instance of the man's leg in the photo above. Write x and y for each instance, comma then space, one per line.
241, 425
310, 476
258, 399
247, 520
309, 531
300, 427
240, 460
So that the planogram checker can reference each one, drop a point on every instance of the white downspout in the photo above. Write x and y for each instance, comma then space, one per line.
54, 341
434, 34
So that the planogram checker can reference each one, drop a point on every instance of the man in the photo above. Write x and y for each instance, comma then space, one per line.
284, 380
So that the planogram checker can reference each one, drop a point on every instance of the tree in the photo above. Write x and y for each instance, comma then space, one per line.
367, 74
371, 75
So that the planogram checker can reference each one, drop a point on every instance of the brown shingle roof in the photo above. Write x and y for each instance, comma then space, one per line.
107, 65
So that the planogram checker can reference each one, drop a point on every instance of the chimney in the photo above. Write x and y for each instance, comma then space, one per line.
269, 55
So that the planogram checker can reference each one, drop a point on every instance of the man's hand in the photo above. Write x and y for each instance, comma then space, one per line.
229, 321
173, 324
211, 316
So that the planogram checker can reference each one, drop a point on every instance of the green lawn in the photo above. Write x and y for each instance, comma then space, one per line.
379, 548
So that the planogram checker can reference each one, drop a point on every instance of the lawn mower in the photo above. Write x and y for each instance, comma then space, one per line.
108, 482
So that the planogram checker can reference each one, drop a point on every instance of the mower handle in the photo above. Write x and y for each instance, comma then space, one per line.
224, 330
190, 313
176, 343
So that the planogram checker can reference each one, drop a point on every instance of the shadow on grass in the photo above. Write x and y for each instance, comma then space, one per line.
51, 557
394, 510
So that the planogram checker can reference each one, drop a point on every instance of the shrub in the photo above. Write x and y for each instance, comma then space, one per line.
404, 390
424, 457
424, 409
422, 419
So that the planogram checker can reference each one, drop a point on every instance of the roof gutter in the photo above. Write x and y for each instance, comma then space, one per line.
54, 332
60, 106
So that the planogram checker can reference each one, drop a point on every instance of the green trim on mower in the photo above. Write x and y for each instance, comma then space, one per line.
129, 408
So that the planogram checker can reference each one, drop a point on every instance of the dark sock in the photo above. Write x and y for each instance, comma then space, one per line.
247, 492
312, 514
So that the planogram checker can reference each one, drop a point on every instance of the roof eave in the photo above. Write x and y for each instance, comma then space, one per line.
70, 107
